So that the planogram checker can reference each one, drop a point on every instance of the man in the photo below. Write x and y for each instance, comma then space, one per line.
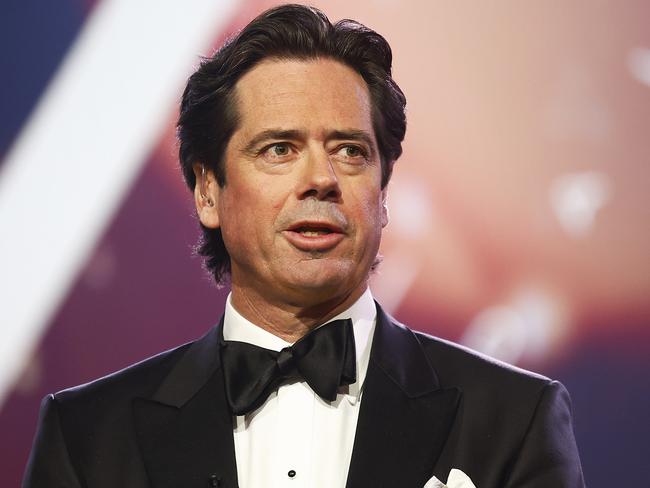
288, 135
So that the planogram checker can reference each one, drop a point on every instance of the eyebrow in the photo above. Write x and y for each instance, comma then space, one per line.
354, 135
269, 134
293, 134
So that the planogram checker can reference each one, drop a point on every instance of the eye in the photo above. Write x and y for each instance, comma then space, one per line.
278, 151
352, 153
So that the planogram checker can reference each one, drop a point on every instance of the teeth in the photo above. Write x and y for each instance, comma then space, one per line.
312, 233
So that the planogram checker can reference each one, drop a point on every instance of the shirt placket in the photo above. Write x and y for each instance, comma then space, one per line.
295, 421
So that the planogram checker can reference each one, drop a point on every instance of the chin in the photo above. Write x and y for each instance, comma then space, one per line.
324, 277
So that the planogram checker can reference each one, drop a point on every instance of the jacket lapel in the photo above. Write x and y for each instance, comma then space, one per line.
185, 429
405, 416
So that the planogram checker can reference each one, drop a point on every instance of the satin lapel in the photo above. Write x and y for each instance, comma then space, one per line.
405, 416
185, 429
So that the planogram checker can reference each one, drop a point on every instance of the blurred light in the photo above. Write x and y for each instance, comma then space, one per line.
84, 144
411, 217
31, 375
499, 332
411, 209
101, 268
576, 198
638, 62
577, 110
528, 328
395, 276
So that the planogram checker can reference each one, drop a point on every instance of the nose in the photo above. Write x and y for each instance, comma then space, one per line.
319, 179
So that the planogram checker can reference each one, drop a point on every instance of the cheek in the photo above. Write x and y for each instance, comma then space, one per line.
369, 214
250, 214
277, 205
372, 203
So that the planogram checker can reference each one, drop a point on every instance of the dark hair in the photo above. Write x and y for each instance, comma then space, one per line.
208, 112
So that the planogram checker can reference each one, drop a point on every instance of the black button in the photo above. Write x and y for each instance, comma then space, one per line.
291, 473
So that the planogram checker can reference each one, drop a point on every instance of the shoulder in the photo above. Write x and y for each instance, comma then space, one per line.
499, 400
137, 380
93, 418
480, 378
515, 418
485, 381
457, 363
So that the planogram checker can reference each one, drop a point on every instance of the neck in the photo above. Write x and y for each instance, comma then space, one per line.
291, 321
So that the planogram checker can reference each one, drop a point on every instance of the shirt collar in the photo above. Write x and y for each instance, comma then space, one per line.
363, 314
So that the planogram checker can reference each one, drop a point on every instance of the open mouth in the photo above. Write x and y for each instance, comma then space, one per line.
314, 236
313, 231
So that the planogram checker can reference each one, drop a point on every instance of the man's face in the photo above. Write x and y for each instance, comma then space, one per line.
302, 209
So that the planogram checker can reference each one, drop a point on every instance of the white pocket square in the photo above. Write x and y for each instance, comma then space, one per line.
456, 479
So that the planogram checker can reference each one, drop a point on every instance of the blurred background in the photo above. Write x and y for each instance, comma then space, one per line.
520, 210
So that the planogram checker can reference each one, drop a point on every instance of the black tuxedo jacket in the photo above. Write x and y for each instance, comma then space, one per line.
428, 406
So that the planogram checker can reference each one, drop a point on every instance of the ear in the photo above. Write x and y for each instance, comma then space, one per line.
384, 207
206, 196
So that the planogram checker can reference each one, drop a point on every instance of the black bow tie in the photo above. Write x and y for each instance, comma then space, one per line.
324, 358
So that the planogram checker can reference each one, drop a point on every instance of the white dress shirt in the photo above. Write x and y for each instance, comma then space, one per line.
296, 439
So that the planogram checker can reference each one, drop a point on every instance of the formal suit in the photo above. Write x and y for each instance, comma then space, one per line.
428, 406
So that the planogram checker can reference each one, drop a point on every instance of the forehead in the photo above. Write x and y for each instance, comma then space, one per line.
308, 94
